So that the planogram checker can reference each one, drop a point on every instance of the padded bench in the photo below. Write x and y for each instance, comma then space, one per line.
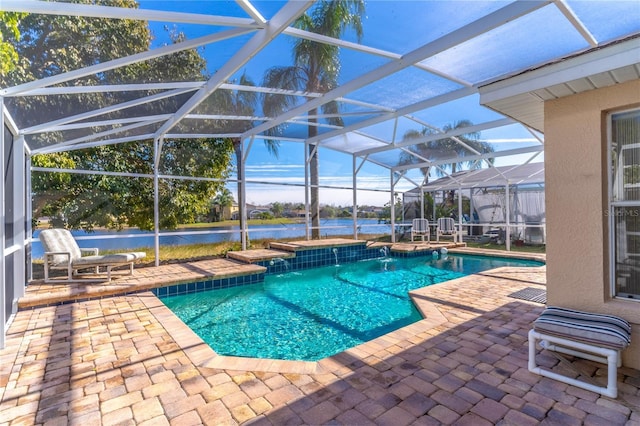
595, 337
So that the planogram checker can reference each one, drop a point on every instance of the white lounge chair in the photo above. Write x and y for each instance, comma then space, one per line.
420, 228
447, 227
61, 251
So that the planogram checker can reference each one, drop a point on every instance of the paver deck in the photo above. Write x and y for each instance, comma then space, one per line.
128, 360
40, 293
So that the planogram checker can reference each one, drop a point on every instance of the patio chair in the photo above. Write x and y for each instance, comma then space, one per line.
446, 227
61, 251
420, 228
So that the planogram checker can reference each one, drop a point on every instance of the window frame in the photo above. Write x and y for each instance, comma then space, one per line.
612, 205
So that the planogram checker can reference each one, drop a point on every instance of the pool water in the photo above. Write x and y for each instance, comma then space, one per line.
311, 314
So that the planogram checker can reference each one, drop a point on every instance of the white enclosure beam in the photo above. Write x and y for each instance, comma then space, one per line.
121, 62
97, 135
280, 21
418, 106
505, 153
114, 122
251, 11
392, 203
3, 238
354, 194
111, 88
307, 35
434, 137
94, 11
57, 148
91, 172
507, 240
44, 127
576, 22
487, 23
156, 202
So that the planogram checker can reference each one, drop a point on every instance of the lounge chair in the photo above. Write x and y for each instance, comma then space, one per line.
61, 251
420, 228
446, 227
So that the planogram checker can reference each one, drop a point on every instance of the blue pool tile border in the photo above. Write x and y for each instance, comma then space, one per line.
304, 259
319, 257
206, 285
409, 254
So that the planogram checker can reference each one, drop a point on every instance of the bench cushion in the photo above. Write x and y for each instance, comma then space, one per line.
59, 240
602, 330
109, 259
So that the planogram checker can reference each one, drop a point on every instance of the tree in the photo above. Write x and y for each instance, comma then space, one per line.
448, 148
224, 199
52, 45
277, 209
9, 28
88, 200
315, 69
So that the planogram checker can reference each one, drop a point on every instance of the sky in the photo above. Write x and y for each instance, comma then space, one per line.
387, 26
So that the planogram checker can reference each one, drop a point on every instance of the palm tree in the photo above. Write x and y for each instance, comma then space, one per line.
453, 148
315, 69
223, 199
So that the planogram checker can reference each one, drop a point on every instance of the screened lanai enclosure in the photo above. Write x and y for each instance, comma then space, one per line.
496, 204
144, 117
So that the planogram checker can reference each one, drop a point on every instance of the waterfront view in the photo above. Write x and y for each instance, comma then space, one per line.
132, 238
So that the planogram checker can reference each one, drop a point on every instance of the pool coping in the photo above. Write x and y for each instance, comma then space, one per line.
202, 355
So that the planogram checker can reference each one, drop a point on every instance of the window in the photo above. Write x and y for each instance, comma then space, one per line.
624, 203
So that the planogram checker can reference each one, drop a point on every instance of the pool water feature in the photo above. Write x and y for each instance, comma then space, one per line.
314, 313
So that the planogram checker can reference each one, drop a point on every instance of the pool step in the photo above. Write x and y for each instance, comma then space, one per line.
259, 255
418, 246
287, 250
293, 246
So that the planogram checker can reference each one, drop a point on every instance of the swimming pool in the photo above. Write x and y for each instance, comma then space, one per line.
314, 313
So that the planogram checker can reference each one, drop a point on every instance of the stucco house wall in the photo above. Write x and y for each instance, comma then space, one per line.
576, 205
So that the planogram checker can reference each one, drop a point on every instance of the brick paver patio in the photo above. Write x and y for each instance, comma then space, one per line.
128, 360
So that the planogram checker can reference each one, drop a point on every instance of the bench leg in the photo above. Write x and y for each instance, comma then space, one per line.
611, 357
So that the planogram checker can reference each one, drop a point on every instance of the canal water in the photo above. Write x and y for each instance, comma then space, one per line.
134, 238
